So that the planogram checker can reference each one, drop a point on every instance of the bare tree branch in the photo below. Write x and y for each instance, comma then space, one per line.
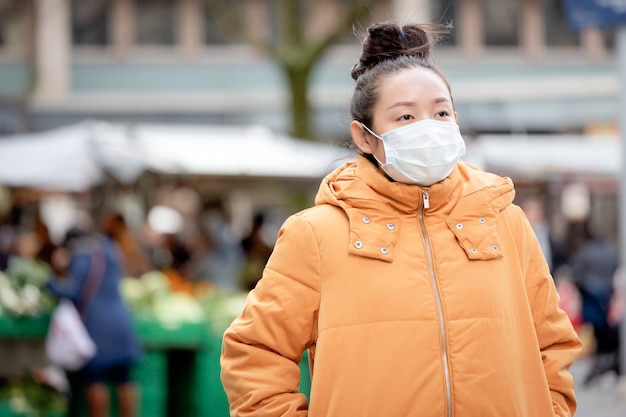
341, 26
294, 53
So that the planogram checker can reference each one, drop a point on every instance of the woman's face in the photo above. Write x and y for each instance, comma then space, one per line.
405, 97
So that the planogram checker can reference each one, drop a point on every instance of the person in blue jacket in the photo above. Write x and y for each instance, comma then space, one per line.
593, 268
89, 269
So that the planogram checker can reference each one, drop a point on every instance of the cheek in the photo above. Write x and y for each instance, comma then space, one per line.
379, 151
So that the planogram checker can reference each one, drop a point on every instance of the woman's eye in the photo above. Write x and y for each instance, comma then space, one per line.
406, 117
443, 113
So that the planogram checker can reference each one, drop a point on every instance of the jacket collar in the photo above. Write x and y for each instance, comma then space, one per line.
468, 201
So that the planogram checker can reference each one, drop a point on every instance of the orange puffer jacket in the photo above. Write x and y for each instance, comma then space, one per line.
412, 301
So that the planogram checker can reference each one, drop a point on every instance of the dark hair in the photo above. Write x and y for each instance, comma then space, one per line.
389, 48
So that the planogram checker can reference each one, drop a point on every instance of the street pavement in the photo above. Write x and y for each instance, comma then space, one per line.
605, 397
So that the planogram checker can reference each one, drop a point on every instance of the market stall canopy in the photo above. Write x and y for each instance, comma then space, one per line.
76, 157
70, 158
541, 156
227, 151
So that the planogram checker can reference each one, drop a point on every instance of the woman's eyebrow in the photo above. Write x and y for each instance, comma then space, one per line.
437, 100
402, 104
441, 100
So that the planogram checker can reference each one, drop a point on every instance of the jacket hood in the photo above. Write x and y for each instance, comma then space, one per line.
468, 201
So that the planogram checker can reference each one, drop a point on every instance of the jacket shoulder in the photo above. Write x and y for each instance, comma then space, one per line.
322, 215
326, 224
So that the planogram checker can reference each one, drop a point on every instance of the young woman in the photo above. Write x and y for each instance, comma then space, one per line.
92, 269
416, 285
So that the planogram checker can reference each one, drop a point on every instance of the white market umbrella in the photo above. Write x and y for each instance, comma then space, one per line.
76, 157
540, 156
70, 158
229, 151
59, 159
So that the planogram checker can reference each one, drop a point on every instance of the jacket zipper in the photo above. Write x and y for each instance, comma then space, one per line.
433, 280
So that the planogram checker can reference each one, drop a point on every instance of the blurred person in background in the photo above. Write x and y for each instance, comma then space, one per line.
9, 228
224, 256
256, 251
135, 258
7, 243
6, 231
47, 246
593, 269
92, 268
535, 212
415, 283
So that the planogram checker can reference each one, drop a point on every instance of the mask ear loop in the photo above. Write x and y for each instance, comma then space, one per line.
380, 164
370, 130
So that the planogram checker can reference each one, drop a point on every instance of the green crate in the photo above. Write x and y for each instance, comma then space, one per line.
305, 375
187, 335
150, 375
7, 411
210, 397
23, 327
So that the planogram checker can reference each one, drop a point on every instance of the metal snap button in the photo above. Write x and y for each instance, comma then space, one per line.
358, 244
391, 226
384, 250
459, 226
482, 220
474, 250
494, 247
366, 220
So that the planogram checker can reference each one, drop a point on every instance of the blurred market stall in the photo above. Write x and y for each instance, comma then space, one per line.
72, 158
76, 157
548, 156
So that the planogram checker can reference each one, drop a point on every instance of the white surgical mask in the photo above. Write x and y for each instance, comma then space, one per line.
422, 153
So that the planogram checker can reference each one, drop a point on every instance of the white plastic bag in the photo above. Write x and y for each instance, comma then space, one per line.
68, 344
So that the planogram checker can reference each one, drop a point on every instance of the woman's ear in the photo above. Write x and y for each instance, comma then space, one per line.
456, 117
361, 137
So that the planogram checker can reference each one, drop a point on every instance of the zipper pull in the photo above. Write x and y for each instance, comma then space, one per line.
425, 198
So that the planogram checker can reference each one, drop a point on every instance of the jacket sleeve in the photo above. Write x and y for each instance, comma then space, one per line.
72, 286
558, 341
262, 348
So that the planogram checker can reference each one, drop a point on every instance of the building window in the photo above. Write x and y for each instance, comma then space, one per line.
156, 22
90, 22
501, 18
216, 32
558, 33
12, 24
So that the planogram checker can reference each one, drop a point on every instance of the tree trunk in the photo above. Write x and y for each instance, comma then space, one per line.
298, 79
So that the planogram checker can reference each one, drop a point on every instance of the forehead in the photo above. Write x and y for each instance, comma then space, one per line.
414, 84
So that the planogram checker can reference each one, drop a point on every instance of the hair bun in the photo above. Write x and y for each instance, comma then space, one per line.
388, 40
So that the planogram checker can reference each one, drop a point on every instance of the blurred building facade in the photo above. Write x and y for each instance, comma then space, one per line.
514, 67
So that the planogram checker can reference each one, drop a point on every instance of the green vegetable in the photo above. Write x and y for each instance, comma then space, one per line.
22, 288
